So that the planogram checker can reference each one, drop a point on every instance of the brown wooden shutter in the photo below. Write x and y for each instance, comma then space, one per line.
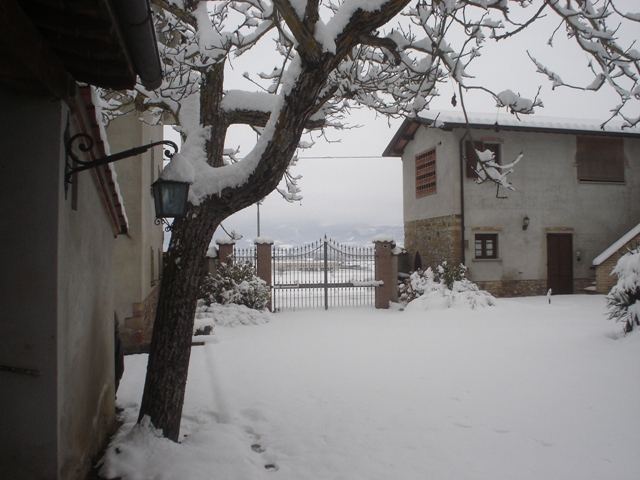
600, 159
472, 157
426, 173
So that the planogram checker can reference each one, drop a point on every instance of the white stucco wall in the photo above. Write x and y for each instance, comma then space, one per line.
547, 191
447, 199
56, 301
137, 253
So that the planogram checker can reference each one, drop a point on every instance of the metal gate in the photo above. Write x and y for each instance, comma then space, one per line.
323, 274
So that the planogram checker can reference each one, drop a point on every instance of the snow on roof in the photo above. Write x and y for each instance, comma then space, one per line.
617, 245
528, 122
448, 120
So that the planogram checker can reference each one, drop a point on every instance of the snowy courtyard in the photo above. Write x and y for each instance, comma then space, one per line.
521, 390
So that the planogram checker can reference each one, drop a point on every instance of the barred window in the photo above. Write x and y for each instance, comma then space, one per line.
426, 173
600, 159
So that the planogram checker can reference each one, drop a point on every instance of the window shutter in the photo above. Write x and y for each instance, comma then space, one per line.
472, 157
600, 159
426, 173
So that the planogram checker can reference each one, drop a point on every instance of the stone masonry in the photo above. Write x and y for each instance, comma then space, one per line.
436, 239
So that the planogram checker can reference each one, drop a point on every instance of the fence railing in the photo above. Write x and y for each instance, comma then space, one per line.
322, 274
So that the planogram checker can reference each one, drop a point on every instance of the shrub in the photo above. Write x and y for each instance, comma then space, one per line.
622, 301
235, 283
422, 281
447, 274
446, 287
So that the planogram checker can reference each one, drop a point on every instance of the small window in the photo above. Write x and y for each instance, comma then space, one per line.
426, 173
486, 245
600, 159
472, 156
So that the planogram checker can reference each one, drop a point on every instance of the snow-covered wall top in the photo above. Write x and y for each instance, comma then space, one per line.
617, 246
264, 240
383, 237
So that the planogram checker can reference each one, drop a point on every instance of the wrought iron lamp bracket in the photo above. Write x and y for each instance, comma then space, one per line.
168, 227
85, 143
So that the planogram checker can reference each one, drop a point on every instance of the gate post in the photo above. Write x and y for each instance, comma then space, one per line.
384, 245
225, 250
263, 261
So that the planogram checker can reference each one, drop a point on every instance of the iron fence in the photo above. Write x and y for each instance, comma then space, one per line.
323, 274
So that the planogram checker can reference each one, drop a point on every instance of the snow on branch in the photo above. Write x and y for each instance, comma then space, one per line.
390, 56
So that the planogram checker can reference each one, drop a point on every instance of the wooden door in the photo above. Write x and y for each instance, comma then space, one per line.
560, 263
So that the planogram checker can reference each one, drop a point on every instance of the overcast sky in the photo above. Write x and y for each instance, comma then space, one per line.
340, 189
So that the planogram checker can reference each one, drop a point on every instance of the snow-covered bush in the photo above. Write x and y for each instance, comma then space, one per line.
235, 283
210, 316
442, 289
422, 281
622, 300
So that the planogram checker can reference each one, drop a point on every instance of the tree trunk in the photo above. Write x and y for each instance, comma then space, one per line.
167, 370
166, 380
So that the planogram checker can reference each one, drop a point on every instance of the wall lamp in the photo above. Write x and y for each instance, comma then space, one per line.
525, 222
170, 197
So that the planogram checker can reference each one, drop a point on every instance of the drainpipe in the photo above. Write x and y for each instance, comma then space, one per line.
462, 171
136, 21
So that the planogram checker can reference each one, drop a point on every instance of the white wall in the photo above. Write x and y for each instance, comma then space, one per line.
56, 301
447, 199
133, 255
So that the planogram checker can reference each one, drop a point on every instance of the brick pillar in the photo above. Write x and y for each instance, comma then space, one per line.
263, 260
384, 272
225, 250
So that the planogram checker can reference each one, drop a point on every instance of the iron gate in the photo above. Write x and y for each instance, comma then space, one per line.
324, 273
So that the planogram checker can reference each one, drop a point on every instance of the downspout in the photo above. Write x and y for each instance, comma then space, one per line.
136, 20
462, 171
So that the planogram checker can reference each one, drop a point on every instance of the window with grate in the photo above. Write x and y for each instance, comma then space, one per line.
486, 245
472, 156
600, 159
426, 173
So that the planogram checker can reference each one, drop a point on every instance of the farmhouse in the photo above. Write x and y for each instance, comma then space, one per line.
576, 193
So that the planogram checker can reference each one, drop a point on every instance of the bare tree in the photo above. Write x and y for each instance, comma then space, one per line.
327, 57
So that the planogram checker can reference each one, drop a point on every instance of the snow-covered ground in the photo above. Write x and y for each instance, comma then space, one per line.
522, 390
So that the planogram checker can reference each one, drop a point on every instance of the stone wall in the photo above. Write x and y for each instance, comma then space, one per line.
514, 288
527, 288
436, 239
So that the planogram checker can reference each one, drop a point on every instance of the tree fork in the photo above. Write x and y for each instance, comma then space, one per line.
170, 352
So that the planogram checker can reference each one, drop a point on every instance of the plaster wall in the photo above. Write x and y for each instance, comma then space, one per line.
547, 191
138, 254
56, 301
447, 199
86, 397
28, 297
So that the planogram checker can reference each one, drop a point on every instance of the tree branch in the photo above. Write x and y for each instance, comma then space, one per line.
308, 47
186, 17
386, 43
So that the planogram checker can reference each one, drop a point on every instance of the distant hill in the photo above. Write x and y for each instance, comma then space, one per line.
354, 235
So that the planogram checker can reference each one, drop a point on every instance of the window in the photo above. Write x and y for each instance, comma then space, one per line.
472, 156
426, 173
486, 245
600, 159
